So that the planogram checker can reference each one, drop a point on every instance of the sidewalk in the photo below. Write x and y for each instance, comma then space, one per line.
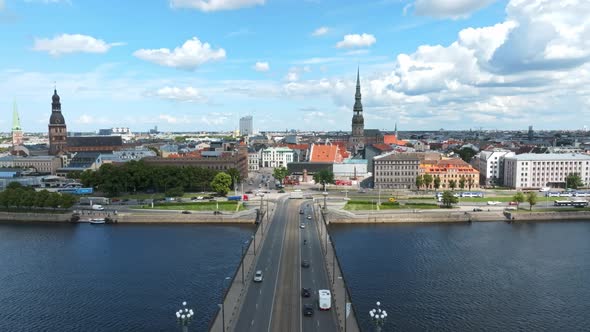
227, 314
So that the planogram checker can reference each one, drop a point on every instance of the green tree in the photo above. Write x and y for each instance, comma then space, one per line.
462, 182
531, 198
448, 199
453, 184
235, 176
53, 200
518, 198
574, 181
436, 182
324, 177
174, 192
419, 181
465, 153
67, 201
427, 178
14, 185
221, 183
280, 173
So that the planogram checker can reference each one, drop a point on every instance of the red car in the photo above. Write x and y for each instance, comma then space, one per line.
512, 203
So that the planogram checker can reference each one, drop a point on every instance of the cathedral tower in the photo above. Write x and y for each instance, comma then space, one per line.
358, 122
57, 127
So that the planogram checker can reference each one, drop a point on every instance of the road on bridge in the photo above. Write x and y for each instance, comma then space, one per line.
276, 303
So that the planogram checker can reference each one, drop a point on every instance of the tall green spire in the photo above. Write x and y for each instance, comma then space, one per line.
15, 117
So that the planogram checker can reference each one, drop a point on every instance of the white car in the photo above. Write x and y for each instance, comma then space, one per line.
258, 276
493, 202
302, 226
544, 189
309, 217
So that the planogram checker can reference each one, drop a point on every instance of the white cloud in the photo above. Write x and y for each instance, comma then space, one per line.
189, 56
168, 118
320, 31
295, 73
448, 8
67, 43
262, 66
215, 5
356, 40
188, 94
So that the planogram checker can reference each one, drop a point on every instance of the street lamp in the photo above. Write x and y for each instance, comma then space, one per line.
325, 193
378, 317
184, 316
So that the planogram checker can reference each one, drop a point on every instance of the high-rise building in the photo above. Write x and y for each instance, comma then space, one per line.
246, 126
17, 131
57, 127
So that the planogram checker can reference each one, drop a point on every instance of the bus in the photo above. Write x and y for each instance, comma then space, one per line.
471, 194
325, 299
571, 203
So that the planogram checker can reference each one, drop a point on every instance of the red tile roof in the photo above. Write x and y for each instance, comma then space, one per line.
325, 153
392, 139
383, 147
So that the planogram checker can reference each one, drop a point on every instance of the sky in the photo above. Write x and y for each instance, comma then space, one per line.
200, 65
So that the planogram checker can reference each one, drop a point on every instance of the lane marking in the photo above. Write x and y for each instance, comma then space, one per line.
277, 276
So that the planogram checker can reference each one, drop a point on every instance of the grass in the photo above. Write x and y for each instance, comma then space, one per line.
486, 199
367, 206
202, 206
142, 196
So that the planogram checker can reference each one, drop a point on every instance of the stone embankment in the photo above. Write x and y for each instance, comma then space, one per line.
438, 216
35, 217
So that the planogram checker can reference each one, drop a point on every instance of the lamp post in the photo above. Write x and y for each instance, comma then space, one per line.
378, 317
325, 193
184, 316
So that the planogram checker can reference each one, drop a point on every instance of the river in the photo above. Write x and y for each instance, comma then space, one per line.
444, 277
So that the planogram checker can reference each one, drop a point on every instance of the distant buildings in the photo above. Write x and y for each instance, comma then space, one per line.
40, 164
246, 126
399, 170
544, 170
253, 160
276, 157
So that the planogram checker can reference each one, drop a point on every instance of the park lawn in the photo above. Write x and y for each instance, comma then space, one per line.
201, 206
359, 206
143, 196
486, 199
367, 206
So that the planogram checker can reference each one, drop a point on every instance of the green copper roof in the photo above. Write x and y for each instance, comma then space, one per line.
15, 118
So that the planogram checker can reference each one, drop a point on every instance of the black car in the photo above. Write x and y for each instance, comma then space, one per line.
307, 310
186, 212
249, 192
306, 292
304, 263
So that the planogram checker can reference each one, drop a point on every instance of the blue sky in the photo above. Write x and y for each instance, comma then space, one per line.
197, 65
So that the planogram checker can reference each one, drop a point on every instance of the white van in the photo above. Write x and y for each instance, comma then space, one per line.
97, 207
325, 299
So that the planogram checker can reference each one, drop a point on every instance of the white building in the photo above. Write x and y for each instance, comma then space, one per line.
490, 164
253, 160
246, 126
531, 170
276, 157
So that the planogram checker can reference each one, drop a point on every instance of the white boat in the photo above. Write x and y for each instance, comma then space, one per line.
97, 221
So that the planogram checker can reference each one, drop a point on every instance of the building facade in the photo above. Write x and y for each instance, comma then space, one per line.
490, 164
246, 126
276, 157
531, 170
253, 160
41, 164
448, 170
57, 127
399, 170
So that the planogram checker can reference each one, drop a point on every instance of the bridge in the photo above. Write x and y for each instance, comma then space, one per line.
296, 232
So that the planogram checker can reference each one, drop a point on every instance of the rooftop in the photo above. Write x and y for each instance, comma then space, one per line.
550, 156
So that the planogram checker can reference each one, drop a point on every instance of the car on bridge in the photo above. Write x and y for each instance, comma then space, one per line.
306, 292
325, 299
307, 310
258, 276
302, 226
304, 263
309, 217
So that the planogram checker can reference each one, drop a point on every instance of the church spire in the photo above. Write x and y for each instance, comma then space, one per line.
358, 106
15, 117
396, 130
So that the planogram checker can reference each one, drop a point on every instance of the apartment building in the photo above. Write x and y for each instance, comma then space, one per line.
276, 157
396, 170
490, 164
451, 170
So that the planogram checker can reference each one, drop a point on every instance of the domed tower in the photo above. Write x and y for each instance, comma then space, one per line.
358, 122
17, 130
57, 127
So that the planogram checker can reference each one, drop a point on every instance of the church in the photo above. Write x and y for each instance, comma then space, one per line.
361, 137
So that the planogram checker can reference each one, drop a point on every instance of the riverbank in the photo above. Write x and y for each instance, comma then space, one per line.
430, 216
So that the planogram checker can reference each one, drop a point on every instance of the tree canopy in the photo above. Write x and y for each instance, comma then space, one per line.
19, 197
448, 199
221, 183
531, 198
324, 177
574, 181
280, 173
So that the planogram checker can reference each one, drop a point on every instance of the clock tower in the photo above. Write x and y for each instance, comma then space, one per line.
57, 127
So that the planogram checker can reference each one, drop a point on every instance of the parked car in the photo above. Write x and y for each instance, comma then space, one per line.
304, 263
306, 292
258, 276
307, 310
249, 192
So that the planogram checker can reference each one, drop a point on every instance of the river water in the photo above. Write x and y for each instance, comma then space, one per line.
479, 277
434, 277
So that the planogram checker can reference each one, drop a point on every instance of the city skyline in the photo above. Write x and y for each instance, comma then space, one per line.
189, 65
